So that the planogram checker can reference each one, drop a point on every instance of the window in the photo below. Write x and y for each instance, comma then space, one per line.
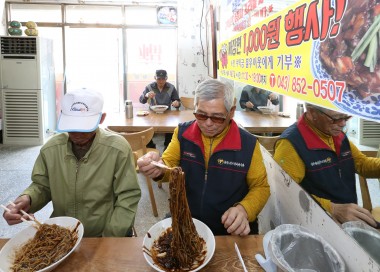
89, 50
148, 51
141, 16
36, 13
94, 62
93, 14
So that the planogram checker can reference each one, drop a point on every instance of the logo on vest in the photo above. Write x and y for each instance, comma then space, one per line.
189, 154
229, 163
347, 153
325, 161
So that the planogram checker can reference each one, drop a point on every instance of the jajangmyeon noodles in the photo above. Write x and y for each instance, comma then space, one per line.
180, 247
49, 244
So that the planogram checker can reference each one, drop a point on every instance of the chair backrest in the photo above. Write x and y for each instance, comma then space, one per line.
366, 197
187, 103
268, 142
138, 140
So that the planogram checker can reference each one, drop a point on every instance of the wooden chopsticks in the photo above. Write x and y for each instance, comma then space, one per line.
22, 218
33, 220
160, 165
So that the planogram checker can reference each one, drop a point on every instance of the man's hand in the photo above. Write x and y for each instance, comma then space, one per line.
351, 212
272, 96
151, 94
175, 104
235, 220
14, 217
148, 169
249, 105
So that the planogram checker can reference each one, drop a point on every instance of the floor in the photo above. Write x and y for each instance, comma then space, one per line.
16, 163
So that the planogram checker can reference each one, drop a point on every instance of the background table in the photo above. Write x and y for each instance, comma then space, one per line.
125, 254
254, 122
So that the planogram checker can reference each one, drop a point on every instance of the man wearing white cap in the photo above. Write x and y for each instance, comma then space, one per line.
87, 172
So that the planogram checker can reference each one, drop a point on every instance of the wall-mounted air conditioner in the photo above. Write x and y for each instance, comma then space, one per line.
364, 132
27, 84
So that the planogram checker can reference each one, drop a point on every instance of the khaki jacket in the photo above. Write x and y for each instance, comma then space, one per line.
101, 190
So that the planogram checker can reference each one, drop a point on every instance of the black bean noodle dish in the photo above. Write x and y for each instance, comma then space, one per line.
353, 55
49, 245
179, 248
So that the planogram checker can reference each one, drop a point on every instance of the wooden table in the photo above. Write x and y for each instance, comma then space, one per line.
254, 122
125, 254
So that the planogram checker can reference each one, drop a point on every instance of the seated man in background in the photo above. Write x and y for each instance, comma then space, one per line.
161, 92
317, 154
226, 181
252, 97
87, 172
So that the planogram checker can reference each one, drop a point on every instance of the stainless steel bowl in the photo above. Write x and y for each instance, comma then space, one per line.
366, 236
295, 248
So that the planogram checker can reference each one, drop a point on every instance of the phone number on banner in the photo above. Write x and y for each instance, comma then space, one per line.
322, 88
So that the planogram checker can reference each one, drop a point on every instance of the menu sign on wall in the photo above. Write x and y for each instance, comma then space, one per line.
323, 52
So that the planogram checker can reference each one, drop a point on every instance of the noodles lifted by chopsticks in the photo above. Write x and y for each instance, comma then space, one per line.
179, 247
49, 244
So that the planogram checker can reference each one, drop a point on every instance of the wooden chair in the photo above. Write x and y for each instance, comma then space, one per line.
267, 141
138, 142
366, 198
187, 102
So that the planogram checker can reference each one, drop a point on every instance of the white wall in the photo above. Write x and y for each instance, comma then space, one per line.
2, 32
2, 22
191, 69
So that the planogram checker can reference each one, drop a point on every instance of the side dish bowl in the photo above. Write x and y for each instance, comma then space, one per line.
156, 230
159, 108
7, 252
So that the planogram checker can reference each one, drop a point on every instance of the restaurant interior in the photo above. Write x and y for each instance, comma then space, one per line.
115, 47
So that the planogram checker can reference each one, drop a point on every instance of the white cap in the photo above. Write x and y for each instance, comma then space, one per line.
81, 111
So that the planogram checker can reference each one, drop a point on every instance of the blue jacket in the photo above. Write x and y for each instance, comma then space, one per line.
166, 97
211, 192
256, 98
329, 174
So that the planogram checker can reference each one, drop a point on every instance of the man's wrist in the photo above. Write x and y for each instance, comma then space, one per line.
241, 207
29, 197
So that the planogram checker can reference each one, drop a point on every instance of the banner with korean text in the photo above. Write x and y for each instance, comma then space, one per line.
324, 52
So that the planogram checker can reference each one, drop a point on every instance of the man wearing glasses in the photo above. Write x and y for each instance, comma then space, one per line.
226, 181
317, 154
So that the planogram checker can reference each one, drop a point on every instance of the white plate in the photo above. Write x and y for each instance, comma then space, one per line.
159, 108
156, 230
21, 237
265, 110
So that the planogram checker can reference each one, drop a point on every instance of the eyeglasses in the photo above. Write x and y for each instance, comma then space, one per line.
335, 120
204, 117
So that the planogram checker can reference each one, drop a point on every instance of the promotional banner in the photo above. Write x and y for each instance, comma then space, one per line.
324, 52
